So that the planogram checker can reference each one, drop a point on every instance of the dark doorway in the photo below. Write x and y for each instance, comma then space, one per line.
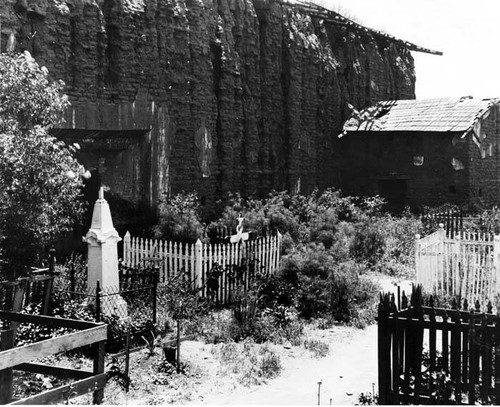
394, 192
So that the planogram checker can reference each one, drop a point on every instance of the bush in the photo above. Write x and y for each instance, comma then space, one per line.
180, 218
368, 245
324, 287
252, 364
262, 216
318, 348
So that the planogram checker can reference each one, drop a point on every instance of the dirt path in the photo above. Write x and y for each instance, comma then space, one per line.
348, 370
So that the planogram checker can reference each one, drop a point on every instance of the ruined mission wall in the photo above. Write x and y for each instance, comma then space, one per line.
229, 95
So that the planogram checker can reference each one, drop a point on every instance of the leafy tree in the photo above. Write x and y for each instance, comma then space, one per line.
40, 180
183, 302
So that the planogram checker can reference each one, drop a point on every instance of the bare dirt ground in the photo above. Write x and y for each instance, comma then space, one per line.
349, 369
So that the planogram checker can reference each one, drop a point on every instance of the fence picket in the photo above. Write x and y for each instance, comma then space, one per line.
456, 351
473, 366
497, 362
460, 266
486, 363
177, 256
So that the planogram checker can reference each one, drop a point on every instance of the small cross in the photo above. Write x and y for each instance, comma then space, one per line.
240, 236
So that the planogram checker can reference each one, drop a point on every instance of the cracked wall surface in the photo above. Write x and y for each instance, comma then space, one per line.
237, 95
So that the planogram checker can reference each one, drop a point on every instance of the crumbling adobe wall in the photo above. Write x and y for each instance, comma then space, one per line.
239, 95
385, 158
484, 161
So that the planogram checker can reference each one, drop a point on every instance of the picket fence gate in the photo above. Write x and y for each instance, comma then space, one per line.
466, 266
417, 344
198, 258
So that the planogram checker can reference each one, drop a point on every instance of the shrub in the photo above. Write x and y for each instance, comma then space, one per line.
399, 235
367, 399
251, 363
318, 348
245, 313
179, 218
368, 245
262, 215
324, 287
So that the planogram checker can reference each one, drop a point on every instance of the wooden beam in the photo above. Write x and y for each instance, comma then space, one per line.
23, 354
46, 320
6, 375
63, 393
54, 371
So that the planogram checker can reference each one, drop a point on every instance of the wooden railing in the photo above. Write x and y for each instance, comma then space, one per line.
19, 358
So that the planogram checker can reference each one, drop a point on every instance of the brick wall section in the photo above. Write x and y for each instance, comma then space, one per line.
265, 87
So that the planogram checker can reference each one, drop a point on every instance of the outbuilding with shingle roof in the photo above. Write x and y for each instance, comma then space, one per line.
424, 152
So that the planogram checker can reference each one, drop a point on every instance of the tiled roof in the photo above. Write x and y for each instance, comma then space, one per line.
433, 115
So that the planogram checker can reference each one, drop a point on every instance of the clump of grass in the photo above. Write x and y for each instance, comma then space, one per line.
252, 363
318, 348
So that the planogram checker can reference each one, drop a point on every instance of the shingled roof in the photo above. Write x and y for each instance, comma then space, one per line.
430, 115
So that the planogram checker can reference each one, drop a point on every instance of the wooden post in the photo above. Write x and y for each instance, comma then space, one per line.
47, 291
126, 248
419, 275
127, 359
178, 347
496, 261
99, 354
278, 251
72, 281
384, 357
497, 362
98, 302
198, 264
155, 293
7, 339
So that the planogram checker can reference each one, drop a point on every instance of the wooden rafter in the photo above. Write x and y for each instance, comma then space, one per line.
330, 16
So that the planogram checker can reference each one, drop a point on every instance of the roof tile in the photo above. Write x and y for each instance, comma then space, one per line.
437, 115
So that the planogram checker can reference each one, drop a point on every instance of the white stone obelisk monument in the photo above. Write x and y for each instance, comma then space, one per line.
102, 261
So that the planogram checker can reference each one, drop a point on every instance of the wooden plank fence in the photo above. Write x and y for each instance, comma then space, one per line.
466, 266
19, 358
198, 258
429, 355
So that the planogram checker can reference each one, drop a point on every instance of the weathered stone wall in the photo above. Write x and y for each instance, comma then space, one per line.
238, 95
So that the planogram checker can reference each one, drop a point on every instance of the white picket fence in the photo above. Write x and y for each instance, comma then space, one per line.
467, 266
198, 258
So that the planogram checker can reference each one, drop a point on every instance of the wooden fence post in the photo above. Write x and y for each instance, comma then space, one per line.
99, 355
7, 339
384, 351
155, 293
496, 261
98, 301
497, 362
126, 248
198, 264
418, 270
